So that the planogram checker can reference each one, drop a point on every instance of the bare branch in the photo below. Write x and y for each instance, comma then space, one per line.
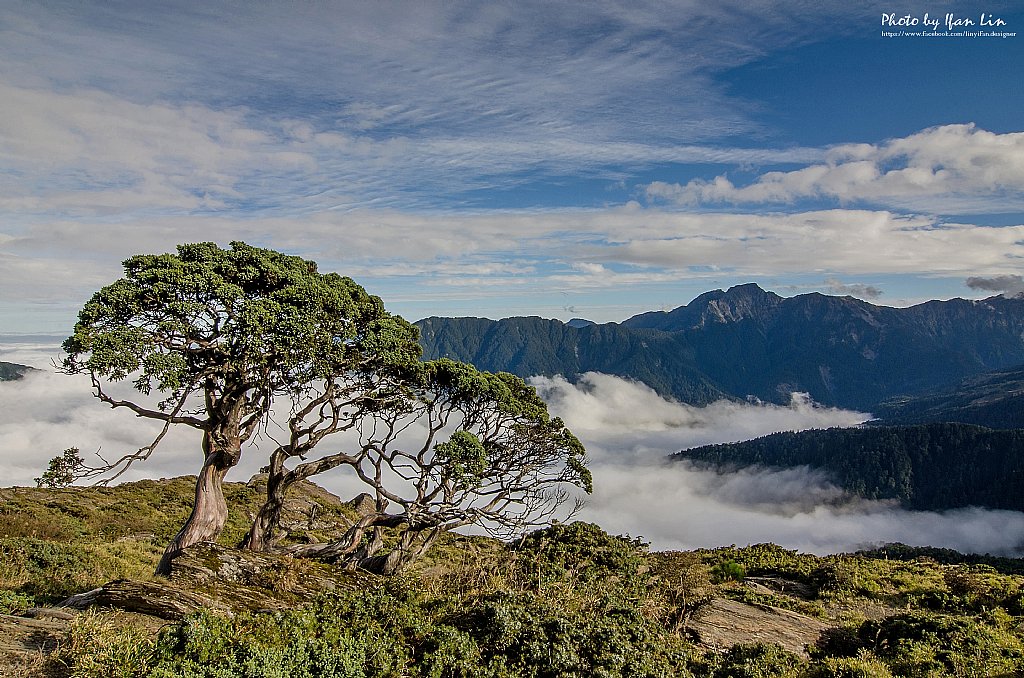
169, 417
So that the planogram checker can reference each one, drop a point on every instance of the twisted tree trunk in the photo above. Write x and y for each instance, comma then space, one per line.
210, 509
263, 533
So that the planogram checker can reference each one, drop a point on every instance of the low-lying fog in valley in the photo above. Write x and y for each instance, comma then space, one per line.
628, 430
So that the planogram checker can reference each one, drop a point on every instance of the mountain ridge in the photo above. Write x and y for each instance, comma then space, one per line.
746, 341
733, 304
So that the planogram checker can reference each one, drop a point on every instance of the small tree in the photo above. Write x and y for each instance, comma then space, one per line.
221, 334
63, 470
453, 447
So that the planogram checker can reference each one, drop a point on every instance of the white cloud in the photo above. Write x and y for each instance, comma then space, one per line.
551, 67
350, 132
947, 169
860, 290
829, 241
629, 430
87, 152
1009, 285
202, 106
46, 412
31, 353
678, 507
618, 411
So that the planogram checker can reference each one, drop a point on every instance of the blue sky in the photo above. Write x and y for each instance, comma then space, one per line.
594, 159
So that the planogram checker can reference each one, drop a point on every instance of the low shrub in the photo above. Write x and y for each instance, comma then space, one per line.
728, 570
15, 603
50, 571
758, 660
931, 645
101, 646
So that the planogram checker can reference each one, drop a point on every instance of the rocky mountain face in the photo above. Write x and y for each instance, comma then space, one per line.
743, 302
747, 342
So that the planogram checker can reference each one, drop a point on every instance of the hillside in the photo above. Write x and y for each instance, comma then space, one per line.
928, 467
748, 342
569, 600
536, 346
13, 371
993, 399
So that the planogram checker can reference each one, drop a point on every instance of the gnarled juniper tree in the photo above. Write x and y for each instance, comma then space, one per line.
223, 335
220, 334
456, 446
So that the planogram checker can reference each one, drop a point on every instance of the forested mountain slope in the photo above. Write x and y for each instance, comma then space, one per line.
13, 371
928, 467
994, 399
748, 342
531, 346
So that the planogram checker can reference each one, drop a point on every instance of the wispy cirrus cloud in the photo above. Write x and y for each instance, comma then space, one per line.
404, 143
86, 152
444, 66
107, 109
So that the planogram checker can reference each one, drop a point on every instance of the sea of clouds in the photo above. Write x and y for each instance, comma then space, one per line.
628, 429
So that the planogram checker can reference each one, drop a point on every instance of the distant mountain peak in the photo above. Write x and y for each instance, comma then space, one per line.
580, 322
748, 288
739, 302
746, 341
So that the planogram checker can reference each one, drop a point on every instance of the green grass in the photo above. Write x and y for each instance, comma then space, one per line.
567, 601
58, 542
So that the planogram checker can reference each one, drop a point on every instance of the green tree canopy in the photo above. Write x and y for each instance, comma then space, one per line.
225, 335
221, 333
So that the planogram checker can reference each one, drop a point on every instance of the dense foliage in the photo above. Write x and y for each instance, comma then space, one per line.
548, 625
223, 335
549, 608
748, 342
530, 346
927, 467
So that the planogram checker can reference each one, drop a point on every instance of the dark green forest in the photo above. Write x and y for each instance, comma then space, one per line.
12, 371
927, 467
993, 399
